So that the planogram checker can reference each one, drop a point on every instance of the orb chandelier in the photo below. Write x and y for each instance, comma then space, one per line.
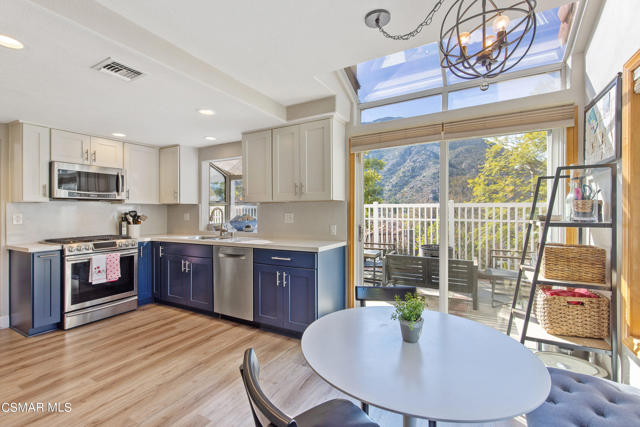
476, 39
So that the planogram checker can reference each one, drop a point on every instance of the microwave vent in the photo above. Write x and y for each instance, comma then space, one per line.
117, 69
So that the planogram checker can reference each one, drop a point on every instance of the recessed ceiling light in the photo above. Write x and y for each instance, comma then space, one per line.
206, 112
118, 135
10, 42
210, 138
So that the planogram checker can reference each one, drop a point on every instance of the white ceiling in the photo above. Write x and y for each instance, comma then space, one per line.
246, 60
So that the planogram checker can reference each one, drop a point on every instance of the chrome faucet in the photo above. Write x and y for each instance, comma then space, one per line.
221, 224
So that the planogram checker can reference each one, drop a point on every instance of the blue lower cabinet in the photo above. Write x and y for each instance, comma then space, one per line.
199, 278
145, 273
291, 289
183, 279
267, 296
299, 288
35, 282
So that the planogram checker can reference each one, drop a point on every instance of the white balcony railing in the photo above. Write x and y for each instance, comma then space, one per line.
474, 228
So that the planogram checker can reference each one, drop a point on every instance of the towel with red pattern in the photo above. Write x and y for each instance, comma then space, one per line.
579, 293
104, 268
113, 267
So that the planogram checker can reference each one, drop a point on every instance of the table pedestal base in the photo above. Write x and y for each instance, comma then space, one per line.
408, 421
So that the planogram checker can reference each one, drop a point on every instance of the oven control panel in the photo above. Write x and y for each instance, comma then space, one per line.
106, 246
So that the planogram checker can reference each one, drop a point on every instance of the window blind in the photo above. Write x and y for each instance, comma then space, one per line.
394, 138
500, 124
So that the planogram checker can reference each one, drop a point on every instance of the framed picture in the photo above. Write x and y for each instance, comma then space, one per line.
602, 125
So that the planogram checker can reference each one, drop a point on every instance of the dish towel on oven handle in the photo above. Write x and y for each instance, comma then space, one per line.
98, 269
113, 267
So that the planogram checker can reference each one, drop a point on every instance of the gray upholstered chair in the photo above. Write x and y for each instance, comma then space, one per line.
334, 413
586, 401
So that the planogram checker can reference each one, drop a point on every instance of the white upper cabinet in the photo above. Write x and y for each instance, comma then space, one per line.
178, 175
142, 165
257, 166
30, 156
316, 166
106, 153
70, 147
309, 162
286, 167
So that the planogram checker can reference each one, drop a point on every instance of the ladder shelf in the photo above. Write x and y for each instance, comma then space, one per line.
529, 329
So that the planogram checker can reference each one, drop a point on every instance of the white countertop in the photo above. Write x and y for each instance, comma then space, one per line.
305, 245
34, 247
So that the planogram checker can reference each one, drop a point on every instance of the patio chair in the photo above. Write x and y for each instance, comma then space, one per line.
423, 272
374, 254
336, 412
498, 271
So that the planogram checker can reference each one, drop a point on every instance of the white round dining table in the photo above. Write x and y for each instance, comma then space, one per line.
459, 370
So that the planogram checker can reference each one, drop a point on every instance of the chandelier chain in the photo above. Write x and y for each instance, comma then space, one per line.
419, 28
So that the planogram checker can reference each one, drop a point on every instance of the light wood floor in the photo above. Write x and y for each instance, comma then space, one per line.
156, 366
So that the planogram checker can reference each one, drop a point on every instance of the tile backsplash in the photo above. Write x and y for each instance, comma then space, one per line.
74, 218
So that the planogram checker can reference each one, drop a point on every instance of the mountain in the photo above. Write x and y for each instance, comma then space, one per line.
411, 174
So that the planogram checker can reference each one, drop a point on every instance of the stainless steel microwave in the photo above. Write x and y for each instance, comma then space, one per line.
75, 181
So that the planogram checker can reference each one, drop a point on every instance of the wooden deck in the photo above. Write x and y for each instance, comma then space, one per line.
158, 366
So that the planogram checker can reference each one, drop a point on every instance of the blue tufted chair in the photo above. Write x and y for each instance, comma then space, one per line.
578, 400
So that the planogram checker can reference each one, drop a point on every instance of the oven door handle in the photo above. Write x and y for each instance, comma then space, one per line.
77, 258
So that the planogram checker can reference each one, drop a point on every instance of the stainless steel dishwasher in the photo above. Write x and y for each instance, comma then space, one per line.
233, 281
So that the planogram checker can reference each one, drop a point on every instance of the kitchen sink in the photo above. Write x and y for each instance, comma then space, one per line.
209, 237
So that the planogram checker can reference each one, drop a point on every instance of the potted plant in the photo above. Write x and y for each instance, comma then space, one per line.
409, 314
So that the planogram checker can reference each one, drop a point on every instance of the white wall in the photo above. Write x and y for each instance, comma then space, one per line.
614, 39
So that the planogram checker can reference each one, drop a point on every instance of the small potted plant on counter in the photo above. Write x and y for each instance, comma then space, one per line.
409, 314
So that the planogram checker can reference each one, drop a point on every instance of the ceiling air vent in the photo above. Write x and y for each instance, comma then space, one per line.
117, 69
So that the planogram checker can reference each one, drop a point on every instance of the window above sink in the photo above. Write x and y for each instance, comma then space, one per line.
226, 196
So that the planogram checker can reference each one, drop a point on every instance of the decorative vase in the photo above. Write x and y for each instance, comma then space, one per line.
408, 334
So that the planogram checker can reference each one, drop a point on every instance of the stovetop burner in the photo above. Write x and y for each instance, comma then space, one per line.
84, 239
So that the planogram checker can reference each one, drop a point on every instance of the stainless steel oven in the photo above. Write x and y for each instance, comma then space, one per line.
85, 301
75, 181
79, 292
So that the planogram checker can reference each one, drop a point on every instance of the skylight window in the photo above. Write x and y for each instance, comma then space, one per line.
412, 80
400, 73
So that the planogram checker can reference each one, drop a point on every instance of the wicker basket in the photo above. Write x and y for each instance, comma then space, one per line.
590, 319
576, 263
583, 206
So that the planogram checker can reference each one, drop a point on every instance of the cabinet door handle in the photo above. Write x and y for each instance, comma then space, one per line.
182, 265
277, 279
278, 258
127, 193
160, 251
141, 256
86, 155
187, 266
301, 188
48, 256
295, 191
93, 157
44, 190
284, 279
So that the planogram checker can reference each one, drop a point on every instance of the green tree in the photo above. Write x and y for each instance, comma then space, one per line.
511, 168
372, 187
